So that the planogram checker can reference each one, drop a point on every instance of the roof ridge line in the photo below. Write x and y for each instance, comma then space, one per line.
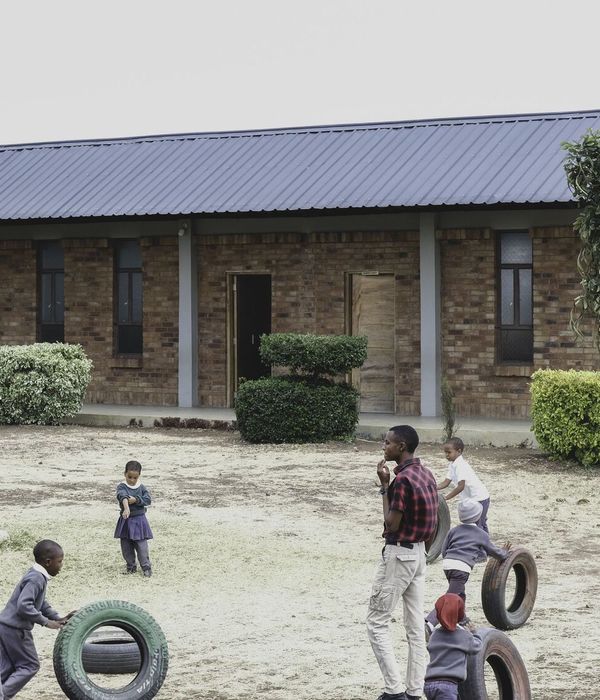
328, 128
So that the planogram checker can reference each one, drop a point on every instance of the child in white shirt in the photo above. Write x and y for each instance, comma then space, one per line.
466, 483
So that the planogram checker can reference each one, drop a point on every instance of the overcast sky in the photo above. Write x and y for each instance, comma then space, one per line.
78, 69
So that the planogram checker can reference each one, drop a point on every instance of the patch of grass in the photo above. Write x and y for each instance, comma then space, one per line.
18, 541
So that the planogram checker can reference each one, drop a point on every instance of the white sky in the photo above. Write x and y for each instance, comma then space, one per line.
76, 69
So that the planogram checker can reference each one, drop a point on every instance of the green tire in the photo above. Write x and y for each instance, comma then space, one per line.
154, 652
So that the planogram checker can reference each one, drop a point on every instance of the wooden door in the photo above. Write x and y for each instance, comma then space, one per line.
373, 315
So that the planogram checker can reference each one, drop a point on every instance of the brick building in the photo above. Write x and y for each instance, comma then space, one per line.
449, 243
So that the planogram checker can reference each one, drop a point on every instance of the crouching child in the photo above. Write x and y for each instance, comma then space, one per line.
449, 646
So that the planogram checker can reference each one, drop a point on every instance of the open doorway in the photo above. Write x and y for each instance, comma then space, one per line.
371, 312
251, 318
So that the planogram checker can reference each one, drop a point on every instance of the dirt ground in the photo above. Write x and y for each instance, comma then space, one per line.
263, 555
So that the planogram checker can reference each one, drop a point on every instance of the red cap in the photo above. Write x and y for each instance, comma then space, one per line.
450, 609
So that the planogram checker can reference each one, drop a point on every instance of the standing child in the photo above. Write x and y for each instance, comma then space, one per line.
463, 478
133, 528
463, 547
448, 648
28, 606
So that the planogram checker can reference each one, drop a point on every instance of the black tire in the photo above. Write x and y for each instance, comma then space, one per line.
506, 662
111, 653
434, 546
512, 614
68, 648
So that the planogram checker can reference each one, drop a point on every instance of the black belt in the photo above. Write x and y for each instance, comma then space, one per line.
406, 545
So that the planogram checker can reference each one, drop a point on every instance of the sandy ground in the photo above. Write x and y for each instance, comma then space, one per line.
263, 555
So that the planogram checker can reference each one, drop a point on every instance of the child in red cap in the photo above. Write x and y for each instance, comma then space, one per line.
448, 647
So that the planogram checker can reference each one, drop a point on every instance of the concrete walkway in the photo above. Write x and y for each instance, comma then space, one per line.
371, 426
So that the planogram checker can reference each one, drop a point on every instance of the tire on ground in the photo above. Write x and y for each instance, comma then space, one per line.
111, 653
434, 546
68, 657
509, 670
503, 614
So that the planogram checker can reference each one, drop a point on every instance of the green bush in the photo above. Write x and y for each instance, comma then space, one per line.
314, 354
565, 412
42, 383
295, 409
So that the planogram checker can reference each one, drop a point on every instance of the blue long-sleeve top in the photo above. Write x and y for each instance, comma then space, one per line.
28, 605
448, 653
466, 542
140, 493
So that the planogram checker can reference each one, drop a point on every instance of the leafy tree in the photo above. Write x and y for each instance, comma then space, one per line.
582, 167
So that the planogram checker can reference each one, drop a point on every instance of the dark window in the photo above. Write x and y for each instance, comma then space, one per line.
51, 292
128, 293
515, 303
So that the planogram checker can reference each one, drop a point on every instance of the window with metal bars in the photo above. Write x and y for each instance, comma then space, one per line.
515, 298
51, 292
128, 295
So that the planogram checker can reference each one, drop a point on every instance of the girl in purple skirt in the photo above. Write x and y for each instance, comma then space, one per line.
133, 528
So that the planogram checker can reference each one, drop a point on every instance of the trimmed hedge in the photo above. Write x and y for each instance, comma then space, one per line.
295, 409
314, 354
565, 412
42, 383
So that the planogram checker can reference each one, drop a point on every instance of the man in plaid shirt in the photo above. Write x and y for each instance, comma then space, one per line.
410, 504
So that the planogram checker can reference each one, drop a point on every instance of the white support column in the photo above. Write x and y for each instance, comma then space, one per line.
188, 319
431, 371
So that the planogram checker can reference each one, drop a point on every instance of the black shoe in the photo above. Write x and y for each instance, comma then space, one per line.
130, 570
392, 696
147, 573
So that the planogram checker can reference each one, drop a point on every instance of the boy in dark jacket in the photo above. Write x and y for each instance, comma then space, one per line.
449, 646
464, 545
28, 606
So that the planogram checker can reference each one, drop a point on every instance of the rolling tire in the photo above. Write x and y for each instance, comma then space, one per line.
111, 653
433, 547
151, 642
500, 613
506, 662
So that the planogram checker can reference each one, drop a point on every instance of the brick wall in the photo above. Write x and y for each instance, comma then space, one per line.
151, 379
556, 284
17, 293
308, 294
468, 307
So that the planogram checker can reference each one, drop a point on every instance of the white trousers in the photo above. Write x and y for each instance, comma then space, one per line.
400, 573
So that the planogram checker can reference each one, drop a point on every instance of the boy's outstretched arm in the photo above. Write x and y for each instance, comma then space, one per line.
497, 552
48, 611
455, 491
443, 484
26, 605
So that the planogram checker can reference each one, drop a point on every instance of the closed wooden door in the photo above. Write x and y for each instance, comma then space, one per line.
373, 315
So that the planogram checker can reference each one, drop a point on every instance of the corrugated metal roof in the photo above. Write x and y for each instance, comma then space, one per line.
448, 162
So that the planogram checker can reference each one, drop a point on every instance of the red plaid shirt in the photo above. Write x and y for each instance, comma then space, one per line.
414, 493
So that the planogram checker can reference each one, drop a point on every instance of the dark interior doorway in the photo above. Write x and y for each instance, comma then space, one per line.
252, 318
